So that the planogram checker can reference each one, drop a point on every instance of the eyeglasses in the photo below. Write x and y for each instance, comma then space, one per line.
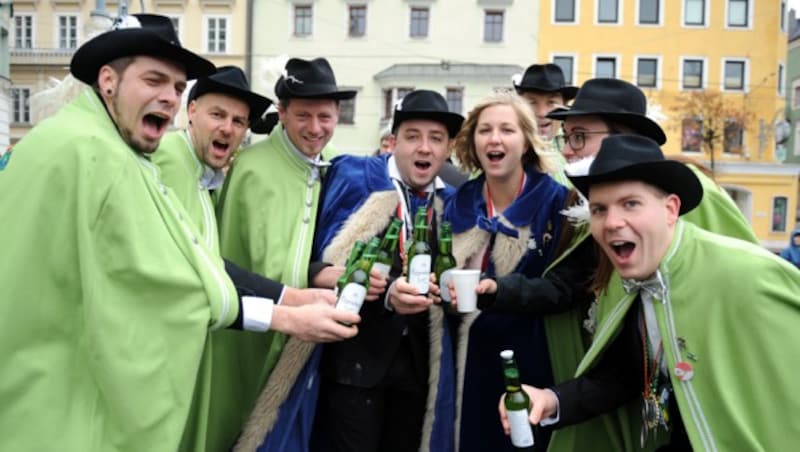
577, 140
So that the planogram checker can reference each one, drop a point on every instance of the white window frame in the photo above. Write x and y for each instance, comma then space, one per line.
395, 98
411, 9
574, 56
347, 20
797, 138
795, 99
704, 78
706, 15
228, 34
745, 75
702, 130
12, 113
659, 67
577, 20
783, 16
750, 8
617, 63
292, 31
744, 143
781, 78
180, 24
355, 106
57, 31
660, 22
504, 13
32, 16
460, 89
620, 13
786, 223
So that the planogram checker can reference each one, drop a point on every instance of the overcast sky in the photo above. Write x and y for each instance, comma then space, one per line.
793, 4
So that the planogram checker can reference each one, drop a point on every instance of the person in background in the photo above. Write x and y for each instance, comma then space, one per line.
386, 142
543, 86
792, 252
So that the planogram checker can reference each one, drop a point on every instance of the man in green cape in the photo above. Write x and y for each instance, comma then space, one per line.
703, 354
220, 107
109, 290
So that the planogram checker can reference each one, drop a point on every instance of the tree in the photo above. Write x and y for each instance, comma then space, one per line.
708, 118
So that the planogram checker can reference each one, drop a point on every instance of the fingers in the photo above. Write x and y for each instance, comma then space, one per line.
501, 408
377, 285
486, 286
404, 299
324, 296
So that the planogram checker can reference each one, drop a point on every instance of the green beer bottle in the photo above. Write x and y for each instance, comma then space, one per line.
517, 403
355, 253
352, 295
385, 258
419, 254
444, 260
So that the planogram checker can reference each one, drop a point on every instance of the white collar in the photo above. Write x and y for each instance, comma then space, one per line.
394, 173
315, 162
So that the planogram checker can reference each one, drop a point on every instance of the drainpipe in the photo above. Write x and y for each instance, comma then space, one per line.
248, 42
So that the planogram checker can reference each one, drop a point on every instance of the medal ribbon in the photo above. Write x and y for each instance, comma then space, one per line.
490, 214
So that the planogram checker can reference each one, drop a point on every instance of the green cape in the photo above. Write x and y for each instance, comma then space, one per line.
108, 293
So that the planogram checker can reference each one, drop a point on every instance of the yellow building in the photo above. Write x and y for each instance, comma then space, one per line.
672, 49
45, 34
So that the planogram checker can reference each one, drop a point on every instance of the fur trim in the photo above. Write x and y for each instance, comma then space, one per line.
435, 328
461, 360
508, 251
467, 244
294, 356
369, 220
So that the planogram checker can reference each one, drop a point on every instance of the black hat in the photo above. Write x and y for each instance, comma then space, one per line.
137, 34
425, 104
545, 77
309, 80
231, 81
614, 99
635, 157
266, 122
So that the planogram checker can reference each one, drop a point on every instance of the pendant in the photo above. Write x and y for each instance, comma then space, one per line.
684, 371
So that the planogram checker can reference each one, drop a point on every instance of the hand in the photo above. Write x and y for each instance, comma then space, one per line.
327, 277
377, 285
544, 404
434, 292
299, 297
485, 286
404, 299
316, 322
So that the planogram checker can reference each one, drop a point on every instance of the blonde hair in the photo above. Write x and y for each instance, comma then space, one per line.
464, 143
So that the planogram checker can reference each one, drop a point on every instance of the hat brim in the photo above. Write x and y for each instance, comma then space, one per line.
452, 121
567, 92
107, 47
265, 124
312, 91
258, 104
668, 175
639, 123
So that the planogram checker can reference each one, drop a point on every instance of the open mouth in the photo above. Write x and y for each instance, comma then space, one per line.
422, 165
622, 249
155, 123
495, 156
220, 147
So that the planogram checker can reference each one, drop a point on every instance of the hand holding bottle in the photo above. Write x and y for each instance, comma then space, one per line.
544, 404
405, 299
299, 297
317, 322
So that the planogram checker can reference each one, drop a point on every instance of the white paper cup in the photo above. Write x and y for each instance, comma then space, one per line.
465, 282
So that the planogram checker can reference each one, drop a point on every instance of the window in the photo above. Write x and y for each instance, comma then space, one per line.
738, 13
565, 11
694, 12
734, 77
390, 97
780, 206
302, 20
176, 25
605, 67
783, 15
455, 100
692, 135
797, 138
20, 105
647, 72
692, 74
733, 137
649, 12
23, 31
607, 11
347, 111
217, 35
419, 22
493, 26
780, 79
357, 24
796, 97
68, 32
566, 65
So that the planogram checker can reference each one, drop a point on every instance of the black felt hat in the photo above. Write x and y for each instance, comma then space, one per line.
627, 157
231, 81
136, 34
425, 104
266, 122
312, 79
545, 77
616, 100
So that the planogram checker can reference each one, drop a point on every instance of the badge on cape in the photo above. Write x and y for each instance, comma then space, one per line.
684, 371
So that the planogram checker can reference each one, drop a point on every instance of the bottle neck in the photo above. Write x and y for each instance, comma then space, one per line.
511, 377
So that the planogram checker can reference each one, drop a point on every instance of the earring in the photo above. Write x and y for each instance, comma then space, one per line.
190, 122
108, 91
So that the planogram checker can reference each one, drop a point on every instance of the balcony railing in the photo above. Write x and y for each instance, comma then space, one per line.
41, 56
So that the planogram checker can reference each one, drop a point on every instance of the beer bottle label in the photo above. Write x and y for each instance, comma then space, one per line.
351, 298
445, 292
521, 432
383, 268
419, 272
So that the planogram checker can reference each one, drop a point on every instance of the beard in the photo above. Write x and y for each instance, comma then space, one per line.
140, 146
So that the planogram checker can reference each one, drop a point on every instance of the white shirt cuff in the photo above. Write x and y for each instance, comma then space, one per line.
280, 298
386, 304
554, 418
257, 313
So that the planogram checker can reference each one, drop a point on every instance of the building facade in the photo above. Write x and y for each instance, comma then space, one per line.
383, 49
676, 49
45, 34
